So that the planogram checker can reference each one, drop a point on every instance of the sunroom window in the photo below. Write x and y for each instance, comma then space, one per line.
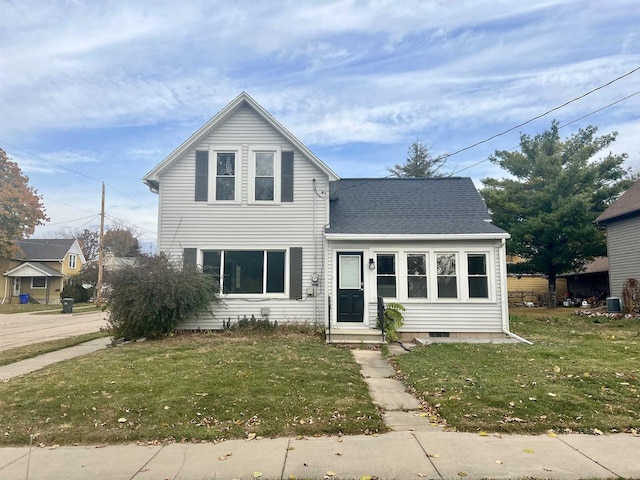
477, 275
447, 277
386, 277
416, 276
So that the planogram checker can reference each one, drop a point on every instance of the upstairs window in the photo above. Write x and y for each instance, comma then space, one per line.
477, 275
447, 276
225, 175
72, 260
265, 176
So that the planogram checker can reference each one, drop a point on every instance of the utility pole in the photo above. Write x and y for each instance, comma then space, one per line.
100, 253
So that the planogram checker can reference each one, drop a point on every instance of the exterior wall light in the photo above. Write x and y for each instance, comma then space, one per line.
372, 264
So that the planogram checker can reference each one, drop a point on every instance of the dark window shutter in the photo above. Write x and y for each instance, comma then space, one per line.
286, 195
295, 273
202, 176
189, 258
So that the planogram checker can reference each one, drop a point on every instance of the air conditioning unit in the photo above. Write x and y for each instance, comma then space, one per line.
614, 305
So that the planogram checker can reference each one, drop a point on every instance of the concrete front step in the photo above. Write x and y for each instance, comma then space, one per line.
356, 336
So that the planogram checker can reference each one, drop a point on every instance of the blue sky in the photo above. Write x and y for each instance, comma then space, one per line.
95, 91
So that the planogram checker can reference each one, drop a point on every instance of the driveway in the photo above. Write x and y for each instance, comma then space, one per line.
19, 329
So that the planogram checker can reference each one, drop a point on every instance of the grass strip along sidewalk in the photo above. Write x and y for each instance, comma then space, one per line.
192, 387
582, 374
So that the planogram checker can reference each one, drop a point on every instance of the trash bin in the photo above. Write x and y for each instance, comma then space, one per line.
24, 298
67, 305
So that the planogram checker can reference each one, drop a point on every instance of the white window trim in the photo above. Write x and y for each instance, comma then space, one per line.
213, 172
406, 275
462, 276
46, 280
277, 173
73, 259
223, 251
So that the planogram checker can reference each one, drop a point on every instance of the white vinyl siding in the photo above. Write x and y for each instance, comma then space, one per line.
623, 249
433, 314
246, 225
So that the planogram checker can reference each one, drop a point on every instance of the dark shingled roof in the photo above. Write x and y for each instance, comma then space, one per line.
43, 249
408, 206
627, 205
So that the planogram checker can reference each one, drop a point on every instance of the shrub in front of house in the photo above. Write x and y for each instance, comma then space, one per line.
151, 298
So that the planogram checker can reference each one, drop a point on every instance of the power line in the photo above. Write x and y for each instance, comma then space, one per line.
561, 126
545, 113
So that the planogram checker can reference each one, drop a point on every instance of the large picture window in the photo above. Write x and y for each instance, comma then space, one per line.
477, 275
247, 271
38, 282
386, 277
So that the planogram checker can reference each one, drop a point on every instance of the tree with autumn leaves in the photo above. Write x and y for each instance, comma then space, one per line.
21, 208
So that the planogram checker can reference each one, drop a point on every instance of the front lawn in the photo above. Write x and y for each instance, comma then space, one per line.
191, 387
582, 375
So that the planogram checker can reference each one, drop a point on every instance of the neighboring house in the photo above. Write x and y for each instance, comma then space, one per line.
40, 268
590, 282
622, 221
534, 288
245, 200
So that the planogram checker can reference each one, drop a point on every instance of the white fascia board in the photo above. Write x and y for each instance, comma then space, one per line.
393, 236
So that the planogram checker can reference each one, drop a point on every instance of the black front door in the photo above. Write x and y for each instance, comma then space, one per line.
350, 287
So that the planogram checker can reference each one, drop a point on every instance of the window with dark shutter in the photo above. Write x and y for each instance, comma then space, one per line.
286, 194
202, 176
295, 273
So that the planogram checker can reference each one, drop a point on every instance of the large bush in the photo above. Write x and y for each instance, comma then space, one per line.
77, 292
153, 297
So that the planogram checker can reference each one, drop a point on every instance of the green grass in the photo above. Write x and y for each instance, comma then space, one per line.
193, 387
29, 351
581, 374
38, 307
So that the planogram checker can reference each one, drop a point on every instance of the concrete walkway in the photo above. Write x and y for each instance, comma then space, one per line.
414, 450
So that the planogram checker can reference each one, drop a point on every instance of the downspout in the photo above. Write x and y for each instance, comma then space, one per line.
315, 257
504, 295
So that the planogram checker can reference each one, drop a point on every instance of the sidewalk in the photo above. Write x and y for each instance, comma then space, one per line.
414, 450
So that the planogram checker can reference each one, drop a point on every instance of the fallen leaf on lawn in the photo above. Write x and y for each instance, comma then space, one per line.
330, 473
512, 404
166, 407
551, 394
556, 369
533, 399
122, 420
597, 432
499, 462
257, 474
251, 436
483, 434
528, 450
201, 394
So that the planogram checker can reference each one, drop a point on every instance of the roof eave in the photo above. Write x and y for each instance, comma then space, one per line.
429, 237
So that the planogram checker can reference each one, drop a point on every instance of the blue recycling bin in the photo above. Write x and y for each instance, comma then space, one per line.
24, 298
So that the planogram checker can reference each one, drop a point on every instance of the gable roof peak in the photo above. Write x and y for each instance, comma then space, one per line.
151, 179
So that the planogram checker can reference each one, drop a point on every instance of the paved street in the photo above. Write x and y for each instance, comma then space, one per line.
19, 329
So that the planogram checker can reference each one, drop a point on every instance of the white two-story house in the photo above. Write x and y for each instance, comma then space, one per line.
245, 200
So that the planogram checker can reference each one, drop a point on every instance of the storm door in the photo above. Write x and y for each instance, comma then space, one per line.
350, 287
